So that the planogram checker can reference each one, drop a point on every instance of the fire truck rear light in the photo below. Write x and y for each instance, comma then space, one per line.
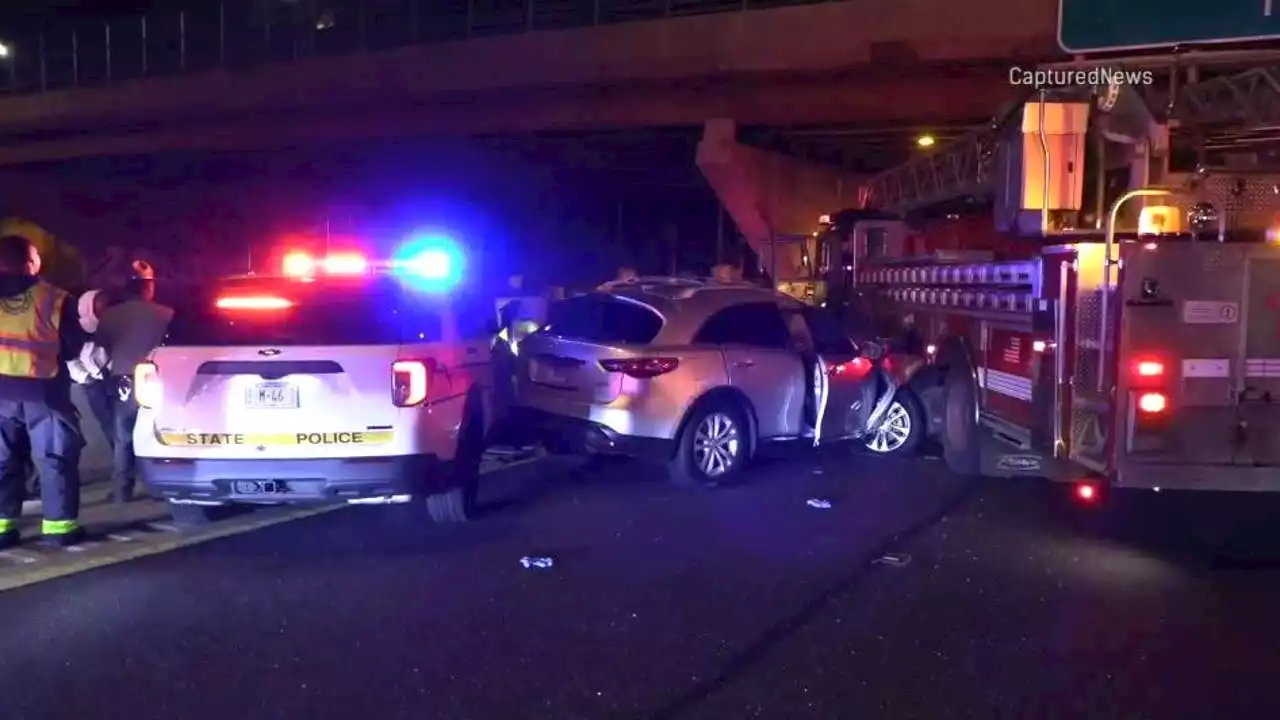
1087, 492
1039, 346
1153, 403
1149, 369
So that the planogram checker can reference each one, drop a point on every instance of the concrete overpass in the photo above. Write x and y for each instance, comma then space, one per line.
916, 62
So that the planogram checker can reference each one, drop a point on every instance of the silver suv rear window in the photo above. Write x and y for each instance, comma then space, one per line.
599, 318
358, 312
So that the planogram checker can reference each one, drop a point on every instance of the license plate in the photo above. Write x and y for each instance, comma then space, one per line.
257, 487
541, 373
271, 396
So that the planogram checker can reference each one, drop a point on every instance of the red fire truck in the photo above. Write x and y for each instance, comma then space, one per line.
1131, 340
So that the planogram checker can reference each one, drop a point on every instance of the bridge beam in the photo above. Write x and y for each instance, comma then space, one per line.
922, 96
770, 195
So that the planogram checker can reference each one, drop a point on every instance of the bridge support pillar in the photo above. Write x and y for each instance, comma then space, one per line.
769, 195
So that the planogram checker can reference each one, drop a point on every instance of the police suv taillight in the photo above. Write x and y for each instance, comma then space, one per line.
146, 385
410, 381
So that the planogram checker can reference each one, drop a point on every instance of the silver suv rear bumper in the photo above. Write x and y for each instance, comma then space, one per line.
575, 435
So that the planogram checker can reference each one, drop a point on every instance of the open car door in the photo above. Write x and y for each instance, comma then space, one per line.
843, 383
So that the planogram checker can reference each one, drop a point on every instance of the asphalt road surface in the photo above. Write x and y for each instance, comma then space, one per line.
914, 595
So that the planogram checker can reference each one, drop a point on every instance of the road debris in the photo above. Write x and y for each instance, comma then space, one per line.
537, 562
819, 503
894, 559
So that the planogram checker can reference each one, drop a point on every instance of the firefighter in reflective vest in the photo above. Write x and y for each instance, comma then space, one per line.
39, 333
520, 314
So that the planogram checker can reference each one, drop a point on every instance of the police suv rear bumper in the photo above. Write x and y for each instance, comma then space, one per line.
289, 481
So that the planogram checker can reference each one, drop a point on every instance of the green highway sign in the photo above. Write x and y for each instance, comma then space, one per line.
1089, 26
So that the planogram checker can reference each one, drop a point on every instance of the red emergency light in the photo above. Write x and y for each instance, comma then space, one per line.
253, 302
345, 264
298, 264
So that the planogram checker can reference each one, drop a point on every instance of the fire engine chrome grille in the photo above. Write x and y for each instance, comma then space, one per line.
1088, 326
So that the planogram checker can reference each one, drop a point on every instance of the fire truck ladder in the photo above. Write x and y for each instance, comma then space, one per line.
962, 168
1250, 98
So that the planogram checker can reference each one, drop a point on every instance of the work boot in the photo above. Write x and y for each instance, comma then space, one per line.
63, 540
9, 539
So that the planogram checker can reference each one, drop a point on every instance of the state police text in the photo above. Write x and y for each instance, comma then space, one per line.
334, 438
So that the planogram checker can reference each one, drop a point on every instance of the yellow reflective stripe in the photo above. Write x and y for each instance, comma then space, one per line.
58, 527
275, 439
8, 525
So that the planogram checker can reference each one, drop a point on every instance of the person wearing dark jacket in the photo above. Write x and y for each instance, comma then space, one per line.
129, 331
39, 333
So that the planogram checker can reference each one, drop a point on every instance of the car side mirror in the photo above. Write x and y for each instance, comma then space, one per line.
871, 350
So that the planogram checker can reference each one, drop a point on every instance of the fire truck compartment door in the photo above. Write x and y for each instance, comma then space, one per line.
1209, 313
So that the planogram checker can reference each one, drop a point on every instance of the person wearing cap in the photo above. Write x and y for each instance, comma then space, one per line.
39, 333
129, 331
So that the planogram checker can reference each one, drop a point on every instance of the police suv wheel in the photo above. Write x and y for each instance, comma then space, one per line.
457, 504
712, 447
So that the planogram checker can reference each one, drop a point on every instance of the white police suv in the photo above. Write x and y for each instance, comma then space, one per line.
340, 380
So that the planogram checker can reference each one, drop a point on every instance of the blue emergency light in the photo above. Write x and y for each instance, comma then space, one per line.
429, 262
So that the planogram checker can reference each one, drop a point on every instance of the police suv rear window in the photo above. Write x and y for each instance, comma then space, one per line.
603, 319
285, 312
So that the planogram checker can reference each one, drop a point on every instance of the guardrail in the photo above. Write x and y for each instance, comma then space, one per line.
240, 34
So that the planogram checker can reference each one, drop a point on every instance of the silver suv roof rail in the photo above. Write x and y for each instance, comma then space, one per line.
681, 285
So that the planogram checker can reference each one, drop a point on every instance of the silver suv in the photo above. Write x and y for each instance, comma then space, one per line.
696, 374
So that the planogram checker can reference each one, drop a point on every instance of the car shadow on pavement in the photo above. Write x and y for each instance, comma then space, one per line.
1198, 531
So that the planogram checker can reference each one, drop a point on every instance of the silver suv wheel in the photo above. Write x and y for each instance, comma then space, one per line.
893, 432
717, 445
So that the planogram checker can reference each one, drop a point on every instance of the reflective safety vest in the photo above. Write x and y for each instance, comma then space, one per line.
29, 332
527, 307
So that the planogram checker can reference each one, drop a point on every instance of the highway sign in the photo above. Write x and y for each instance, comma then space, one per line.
1090, 26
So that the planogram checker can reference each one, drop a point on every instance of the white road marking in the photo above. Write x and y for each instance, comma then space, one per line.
19, 557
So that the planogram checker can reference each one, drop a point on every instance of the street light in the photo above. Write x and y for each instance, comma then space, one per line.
6, 57
926, 141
